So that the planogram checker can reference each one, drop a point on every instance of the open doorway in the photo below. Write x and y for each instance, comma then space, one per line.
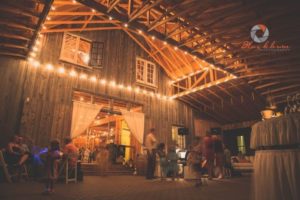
114, 124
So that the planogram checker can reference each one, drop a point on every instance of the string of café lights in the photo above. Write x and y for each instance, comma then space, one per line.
83, 76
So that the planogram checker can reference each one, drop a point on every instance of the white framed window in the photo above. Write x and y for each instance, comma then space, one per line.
146, 72
76, 50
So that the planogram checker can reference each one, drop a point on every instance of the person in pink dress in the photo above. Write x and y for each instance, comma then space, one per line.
209, 154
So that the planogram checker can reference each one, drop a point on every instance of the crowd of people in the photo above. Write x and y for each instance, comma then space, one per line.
207, 155
20, 152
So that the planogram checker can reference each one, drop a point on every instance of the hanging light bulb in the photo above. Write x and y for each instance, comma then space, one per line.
121, 86
93, 79
49, 67
129, 88
165, 43
35, 63
112, 83
61, 70
137, 90
83, 76
103, 81
73, 73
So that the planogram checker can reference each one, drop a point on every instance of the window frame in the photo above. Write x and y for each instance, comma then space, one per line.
78, 38
145, 73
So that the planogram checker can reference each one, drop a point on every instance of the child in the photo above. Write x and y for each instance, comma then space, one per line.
52, 160
172, 158
162, 160
227, 166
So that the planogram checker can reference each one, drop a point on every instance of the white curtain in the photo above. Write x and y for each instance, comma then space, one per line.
277, 175
135, 121
83, 115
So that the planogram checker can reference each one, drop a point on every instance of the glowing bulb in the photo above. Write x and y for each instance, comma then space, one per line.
53, 8
93, 10
36, 63
140, 32
33, 54
125, 25
153, 37
30, 59
110, 18
49, 67
61, 70
103, 81
165, 43
194, 57
73, 73
44, 27
144, 91
164, 97
74, 1
129, 88
83, 76
93, 79
121, 86
81, 98
48, 18
137, 90
112, 83
176, 48
185, 52
158, 96
34, 49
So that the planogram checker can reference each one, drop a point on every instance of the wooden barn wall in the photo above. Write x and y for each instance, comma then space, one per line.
38, 103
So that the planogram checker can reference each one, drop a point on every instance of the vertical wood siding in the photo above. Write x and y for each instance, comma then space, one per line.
37, 103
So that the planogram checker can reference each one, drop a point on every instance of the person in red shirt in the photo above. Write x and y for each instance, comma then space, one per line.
71, 152
209, 154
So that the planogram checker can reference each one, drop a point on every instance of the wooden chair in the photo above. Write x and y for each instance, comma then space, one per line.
65, 168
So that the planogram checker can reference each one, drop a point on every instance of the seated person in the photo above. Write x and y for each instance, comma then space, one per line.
14, 152
71, 152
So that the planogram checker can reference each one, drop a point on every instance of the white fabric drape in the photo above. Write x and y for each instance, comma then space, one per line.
135, 121
277, 175
277, 131
83, 115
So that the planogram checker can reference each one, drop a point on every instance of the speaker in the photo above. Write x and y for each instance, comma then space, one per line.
183, 131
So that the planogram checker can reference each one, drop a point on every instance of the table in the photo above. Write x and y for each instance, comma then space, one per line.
277, 158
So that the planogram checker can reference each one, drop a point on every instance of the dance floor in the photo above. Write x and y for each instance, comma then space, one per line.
131, 188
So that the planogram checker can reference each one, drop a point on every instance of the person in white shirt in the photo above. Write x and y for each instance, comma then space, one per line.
150, 144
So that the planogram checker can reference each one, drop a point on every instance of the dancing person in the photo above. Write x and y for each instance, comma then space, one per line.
219, 155
227, 164
52, 161
194, 160
208, 152
172, 158
150, 145
162, 160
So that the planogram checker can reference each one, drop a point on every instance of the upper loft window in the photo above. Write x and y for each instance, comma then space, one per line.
76, 50
146, 72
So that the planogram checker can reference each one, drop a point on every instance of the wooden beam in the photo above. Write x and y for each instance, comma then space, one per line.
112, 5
79, 13
80, 22
40, 22
80, 29
296, 86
